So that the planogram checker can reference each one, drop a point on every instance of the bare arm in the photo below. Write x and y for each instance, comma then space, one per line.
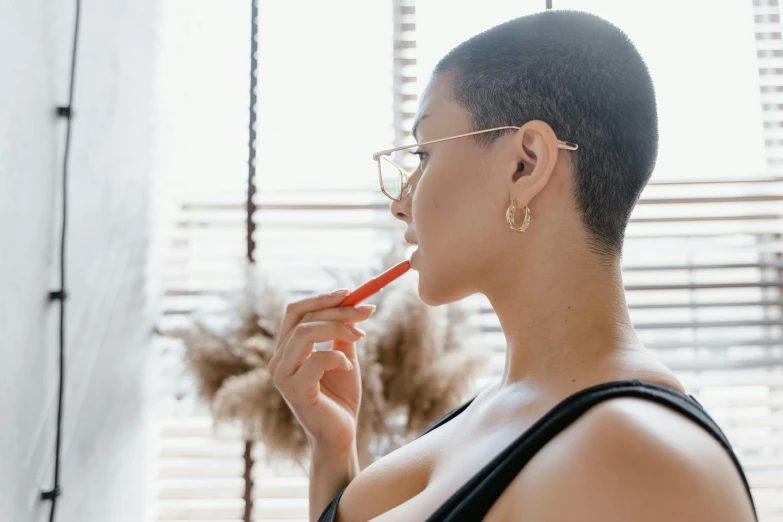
329, 473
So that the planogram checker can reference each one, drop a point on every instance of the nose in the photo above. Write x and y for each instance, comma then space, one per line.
402, 209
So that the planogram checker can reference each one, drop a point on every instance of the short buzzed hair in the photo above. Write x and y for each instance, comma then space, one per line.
584, 77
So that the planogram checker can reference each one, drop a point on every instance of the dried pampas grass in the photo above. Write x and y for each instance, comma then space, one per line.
414, 363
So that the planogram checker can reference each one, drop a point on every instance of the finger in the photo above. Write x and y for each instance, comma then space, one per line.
348, 315
296, 310
343, 314
314, 368
347, 347
304, 336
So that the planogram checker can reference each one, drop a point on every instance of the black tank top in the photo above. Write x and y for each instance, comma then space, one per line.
473, 500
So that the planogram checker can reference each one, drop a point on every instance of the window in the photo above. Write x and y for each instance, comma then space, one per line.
703, 263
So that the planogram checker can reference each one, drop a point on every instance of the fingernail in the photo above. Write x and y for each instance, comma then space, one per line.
357, 331
350, 366
341, 291
366, 307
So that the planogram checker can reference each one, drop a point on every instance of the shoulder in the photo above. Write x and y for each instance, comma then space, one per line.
630, 459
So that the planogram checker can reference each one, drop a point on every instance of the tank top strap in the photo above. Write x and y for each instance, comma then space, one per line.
447, 417
473, 500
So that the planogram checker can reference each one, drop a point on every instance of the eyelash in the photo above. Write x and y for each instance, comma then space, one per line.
420, 153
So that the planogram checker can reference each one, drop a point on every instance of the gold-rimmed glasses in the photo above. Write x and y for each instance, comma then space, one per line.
394, 179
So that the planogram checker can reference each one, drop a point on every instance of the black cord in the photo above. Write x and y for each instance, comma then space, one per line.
61, 295
251, 162
247, 515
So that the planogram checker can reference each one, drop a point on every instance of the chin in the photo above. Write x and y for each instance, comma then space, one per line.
427, 297
436, 288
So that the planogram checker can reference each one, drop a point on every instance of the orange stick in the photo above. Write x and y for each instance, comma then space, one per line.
376, 284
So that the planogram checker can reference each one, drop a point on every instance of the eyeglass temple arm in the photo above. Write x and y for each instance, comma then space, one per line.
560, 143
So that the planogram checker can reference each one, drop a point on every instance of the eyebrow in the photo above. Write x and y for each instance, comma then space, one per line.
416, 125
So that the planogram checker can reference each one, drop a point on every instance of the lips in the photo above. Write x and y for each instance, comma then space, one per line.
410, 240
410, 251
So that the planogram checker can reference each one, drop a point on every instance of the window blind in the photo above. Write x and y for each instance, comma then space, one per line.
702, 267
199, 471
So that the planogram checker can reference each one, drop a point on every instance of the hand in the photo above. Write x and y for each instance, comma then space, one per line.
323, 388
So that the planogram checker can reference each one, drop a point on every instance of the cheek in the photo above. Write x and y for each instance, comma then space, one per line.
433, 208
451, 211
426, 207
457, 242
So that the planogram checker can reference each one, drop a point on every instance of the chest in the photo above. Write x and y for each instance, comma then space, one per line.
413, 481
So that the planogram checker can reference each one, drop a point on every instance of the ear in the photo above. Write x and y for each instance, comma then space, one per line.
535, 153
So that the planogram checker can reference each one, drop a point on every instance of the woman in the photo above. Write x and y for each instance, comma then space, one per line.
585, 424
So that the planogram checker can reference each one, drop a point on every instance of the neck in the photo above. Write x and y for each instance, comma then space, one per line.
564, 317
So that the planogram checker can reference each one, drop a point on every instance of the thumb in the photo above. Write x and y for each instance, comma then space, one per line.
348, 348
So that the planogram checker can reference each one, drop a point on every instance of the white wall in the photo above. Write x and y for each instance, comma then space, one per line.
108, 320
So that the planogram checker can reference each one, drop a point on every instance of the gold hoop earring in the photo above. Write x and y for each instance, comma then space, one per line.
510, 217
